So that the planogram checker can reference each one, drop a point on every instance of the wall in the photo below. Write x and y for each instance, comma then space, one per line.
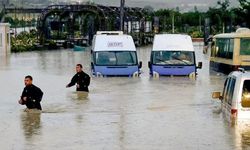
4, 39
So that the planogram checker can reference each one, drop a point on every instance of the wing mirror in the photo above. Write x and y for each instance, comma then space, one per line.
217, 95
149, 64
140, 65
199, 65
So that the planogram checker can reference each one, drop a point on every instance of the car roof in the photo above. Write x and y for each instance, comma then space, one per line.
172, 42
240, 75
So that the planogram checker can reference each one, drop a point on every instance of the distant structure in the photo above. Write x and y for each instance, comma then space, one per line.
64, 23
4, 39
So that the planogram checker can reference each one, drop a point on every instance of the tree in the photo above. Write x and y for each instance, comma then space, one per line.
220, 17
243, 13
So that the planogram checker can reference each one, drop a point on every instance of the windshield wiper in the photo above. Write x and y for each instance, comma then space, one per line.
162, 61
181, 60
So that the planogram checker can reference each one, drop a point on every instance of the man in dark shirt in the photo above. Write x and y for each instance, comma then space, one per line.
81, 79
32, 95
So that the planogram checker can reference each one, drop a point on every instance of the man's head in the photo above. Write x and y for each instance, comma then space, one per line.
28, 80
79, 68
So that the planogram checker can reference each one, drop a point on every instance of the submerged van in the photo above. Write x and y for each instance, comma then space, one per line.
235, 97
114, 54
173, 54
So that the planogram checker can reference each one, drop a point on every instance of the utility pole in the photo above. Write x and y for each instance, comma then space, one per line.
173, 20
122, 15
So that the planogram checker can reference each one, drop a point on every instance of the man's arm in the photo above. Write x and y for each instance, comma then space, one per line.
23, 98
73, 81
87, 80
38, 95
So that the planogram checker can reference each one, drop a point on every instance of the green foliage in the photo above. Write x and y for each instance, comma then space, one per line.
196, 34
242, 14
24, 41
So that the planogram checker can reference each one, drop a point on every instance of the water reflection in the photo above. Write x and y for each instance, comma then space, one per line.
245, 138
31, 124
80, 100
78, 97
4, 61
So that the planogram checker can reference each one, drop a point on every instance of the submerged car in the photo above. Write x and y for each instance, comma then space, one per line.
235, 97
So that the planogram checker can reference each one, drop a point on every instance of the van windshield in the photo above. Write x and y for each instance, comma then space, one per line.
115, 58
173, 58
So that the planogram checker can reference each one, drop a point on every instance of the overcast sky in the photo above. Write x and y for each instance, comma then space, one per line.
184, 5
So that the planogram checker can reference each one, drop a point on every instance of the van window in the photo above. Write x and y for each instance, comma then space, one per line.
224, 48
245, 99
115, 58
229, 90
224, 89
245, 46
173, 58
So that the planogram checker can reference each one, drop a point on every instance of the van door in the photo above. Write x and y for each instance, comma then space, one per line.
227, 104
244, 102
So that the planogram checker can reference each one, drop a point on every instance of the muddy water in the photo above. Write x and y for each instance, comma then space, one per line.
118, 113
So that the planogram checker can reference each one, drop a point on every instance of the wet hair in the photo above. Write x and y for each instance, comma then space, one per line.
29, 77
80, 65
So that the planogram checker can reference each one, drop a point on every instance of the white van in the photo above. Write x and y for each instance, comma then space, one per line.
173, 54
114, 54
235, 97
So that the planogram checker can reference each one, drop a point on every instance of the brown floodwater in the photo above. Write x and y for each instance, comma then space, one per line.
118, 113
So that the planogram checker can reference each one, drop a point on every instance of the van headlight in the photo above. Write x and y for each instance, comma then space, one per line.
98, 74
136, 74
192, 75
156, 74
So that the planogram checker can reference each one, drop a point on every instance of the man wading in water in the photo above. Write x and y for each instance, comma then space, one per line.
32, 95
81, 79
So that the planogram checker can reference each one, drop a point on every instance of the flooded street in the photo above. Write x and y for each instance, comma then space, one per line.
118, 113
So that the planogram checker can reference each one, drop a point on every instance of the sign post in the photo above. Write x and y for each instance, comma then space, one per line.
122, 15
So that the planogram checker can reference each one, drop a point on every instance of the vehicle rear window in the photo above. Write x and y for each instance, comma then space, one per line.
224, 48
245, 46
230, 91
245, 100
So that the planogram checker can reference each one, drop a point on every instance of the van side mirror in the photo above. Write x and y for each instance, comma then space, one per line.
216, 95
92, 65
140, 65
199, 65
149, 64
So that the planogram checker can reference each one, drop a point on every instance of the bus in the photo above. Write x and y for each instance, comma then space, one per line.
231, 51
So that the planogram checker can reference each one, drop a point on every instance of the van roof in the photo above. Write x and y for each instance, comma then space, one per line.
110, 32
240, 74
105, 42
172, 42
